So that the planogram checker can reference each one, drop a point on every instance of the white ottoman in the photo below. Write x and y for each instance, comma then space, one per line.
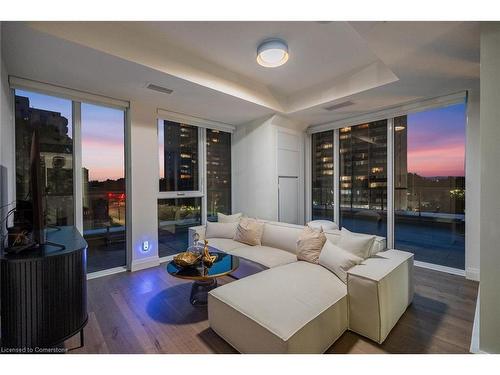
296, 308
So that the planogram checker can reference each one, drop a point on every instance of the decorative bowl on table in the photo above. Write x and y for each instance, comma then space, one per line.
187, 259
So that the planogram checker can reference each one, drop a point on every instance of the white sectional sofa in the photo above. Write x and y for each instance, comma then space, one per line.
293, 306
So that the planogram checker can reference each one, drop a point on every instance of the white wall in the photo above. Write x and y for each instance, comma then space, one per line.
7, 155
254, 177
255, 166
472, 187
143, 180
489, 340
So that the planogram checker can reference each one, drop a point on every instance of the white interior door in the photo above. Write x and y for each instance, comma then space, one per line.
288, 199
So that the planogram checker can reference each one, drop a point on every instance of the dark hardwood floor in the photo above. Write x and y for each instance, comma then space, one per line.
149, 312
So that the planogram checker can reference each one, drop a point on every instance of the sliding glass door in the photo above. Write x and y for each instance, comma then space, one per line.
103, 186
429, 185
65, 128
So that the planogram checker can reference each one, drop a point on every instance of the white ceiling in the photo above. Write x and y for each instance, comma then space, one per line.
211, 65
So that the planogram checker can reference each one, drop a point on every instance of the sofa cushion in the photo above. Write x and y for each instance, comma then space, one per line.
281, 236
267, 256
338, 260
249, 231
356, 243
220, 230
322, 224
379, 244
296, 308
309, 244
235, 218
225, 244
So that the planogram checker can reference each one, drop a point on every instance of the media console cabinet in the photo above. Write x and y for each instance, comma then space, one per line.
43, 296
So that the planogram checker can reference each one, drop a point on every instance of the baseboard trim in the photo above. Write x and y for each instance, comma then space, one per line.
142, 264
109, 271
438, 267
472, 273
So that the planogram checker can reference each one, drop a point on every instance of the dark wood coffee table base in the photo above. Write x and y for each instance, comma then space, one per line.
199, 291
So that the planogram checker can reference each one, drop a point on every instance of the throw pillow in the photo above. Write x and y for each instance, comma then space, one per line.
338, 260
357, 244
309, 245
221, 218
249, 231
322, 224
220, 230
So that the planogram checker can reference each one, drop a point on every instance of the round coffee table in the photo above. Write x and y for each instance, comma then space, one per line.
205, 278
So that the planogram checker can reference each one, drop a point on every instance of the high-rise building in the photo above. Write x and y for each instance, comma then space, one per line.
180, 157
322, 175
218, 173
56, 159
363, 166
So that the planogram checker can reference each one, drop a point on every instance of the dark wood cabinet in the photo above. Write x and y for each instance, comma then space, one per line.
44, 292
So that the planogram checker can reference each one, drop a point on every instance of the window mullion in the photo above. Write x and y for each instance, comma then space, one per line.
202, 147
390, 183
77, 165
336, 177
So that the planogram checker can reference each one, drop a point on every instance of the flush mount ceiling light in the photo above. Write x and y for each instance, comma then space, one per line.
272, 53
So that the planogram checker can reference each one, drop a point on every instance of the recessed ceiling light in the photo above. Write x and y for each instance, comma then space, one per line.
272, 53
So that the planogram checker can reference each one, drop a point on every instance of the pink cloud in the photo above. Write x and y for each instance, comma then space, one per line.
445, 160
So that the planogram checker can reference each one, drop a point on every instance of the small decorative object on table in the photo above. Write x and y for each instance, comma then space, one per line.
187, 259
207, 258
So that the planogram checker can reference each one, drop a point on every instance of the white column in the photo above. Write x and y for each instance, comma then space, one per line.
489, 340
142, 186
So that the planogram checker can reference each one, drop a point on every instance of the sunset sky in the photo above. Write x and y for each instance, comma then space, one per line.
102, 134
436, 142
436, 138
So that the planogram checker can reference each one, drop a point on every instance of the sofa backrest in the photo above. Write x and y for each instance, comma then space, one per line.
281, 235
284, 236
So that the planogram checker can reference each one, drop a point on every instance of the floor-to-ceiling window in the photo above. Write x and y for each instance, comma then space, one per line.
103, 185
179, 154
429, 185
52, 118
428, 181
195, 180
322, 175
218, 173
363, 177
70, 132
